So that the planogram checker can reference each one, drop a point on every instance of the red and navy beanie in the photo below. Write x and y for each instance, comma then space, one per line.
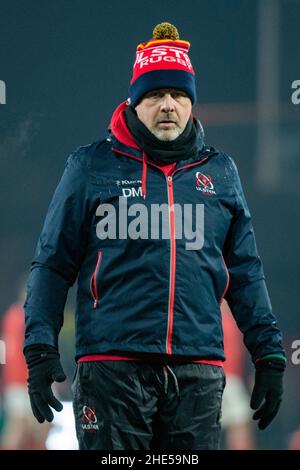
162, 62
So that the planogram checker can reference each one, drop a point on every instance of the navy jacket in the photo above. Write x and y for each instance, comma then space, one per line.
148, 294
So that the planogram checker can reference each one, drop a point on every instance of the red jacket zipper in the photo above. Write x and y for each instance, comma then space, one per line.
172, 265
93, 281
172, 242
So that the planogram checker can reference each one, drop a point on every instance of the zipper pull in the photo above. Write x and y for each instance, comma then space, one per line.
95, 303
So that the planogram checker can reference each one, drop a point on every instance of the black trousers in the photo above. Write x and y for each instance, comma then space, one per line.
137, 405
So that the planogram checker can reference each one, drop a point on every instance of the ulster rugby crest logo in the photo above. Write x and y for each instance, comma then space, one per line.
89, 419
204, 184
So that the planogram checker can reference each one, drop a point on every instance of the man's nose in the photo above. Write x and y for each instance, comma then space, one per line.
167, 103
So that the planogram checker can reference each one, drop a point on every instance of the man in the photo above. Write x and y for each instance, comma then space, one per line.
149, 333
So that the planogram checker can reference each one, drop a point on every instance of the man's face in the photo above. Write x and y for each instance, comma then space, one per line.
165, 112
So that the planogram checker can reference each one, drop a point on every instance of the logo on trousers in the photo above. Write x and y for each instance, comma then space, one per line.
89, 419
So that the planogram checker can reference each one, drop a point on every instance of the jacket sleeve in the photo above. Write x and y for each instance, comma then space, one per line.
247, 295
59, 254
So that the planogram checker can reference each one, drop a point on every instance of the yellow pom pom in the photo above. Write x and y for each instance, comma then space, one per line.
165, 31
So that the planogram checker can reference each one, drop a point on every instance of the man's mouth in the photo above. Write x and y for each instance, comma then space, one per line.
166, 122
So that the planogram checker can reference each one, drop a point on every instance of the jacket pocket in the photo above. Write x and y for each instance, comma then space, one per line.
227, 281
94, 281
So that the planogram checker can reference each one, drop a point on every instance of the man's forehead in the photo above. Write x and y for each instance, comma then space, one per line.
166, 90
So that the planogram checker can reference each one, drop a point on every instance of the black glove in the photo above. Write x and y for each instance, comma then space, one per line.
268, 386
44, 368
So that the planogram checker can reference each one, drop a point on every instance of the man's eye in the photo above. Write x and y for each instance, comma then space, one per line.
160, 94
178, 94
156, 95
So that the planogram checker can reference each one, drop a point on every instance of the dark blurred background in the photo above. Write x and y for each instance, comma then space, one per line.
67, 65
